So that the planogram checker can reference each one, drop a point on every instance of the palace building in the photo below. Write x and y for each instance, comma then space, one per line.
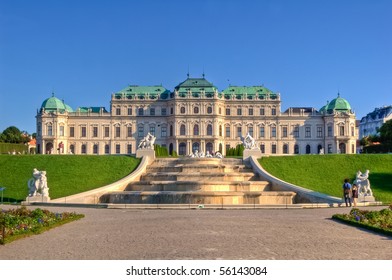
195, 116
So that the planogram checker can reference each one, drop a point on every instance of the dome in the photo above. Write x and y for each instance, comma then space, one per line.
338, 104
324, 108
52, 104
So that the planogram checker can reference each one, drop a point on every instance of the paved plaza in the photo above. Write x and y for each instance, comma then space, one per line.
118, 234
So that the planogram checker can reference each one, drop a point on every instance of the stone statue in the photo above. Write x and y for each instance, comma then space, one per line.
248, 142
38, 184
363, 184
218, 155
147, 142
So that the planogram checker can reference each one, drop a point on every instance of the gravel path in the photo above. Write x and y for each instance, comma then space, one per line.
120, 234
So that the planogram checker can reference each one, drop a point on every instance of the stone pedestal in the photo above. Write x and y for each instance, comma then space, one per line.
367, 198
251, 152
146, 153
37, 198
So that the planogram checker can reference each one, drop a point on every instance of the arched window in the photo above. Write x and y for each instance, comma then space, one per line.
140, 111
107, 149
296, 149
209, 147
182, 149
209, 129
182, 110
308, 149
285, 149
220, 130
72, 149
196, 129
196, 147
209, 110
182, 129
95, 149
319, 147
171, 130
196, 110
84, 149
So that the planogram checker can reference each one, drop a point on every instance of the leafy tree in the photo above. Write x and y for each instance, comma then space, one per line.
13, 135
386, 132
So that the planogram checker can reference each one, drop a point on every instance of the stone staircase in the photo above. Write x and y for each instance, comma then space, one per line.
199, 181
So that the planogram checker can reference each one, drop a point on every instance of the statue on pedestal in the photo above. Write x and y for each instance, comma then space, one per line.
38, 185
249, 142
147, 142
363, 184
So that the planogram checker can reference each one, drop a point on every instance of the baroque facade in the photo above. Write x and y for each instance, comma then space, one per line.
195, 116
370, 124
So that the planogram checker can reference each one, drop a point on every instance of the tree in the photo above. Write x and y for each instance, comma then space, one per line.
386, 132
12, 135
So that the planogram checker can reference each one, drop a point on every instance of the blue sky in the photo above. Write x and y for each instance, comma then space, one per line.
85, 50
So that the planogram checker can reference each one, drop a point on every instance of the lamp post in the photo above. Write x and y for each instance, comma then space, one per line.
2, 191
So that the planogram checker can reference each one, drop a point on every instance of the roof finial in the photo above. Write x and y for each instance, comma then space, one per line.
188, 72
52, 93
203, 72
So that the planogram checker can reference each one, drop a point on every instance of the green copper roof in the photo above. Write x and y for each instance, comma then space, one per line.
53, 104
250, 92
196, 85
142, 92
338, 104
91, 109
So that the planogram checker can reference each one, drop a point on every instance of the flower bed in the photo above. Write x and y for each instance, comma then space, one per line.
379, 221
22, 222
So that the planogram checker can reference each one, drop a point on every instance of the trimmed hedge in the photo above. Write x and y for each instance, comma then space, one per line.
6, 148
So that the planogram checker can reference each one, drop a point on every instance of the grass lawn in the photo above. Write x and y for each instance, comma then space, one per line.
325, 173
66, 174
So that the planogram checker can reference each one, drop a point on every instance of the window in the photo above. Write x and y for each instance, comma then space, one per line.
129, 131
209, 130
196, 129
182, 110
262, 148
262, 131
273, 132
61, 130
163, 131
106, 131
273, 111
182, 129
262, 111
308, 149
227, 111
71, 131
250, 112
285, 149
118, 111
341, 130
307, 132
239, 131
140, 131
129, 149
118, 131
171, 130
196, 110
140, 111
50, 130
83, 131
352, 131
95, 149
152, 111
329, 148
319, 132
330, 131
209, 110
296, 131
95, 131
129, 111
296, 149
220, 130
84, 150
227, 131
118, 148
107, 149
239, 111
152, 130
163, 111
171, 111
250, 130
273, 149
220, 111
284, 131
72, 149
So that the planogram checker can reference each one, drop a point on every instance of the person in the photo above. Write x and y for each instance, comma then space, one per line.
346, 192
354, 194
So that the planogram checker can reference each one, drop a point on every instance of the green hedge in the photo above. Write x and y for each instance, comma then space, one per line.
237, 151
374, 149
161, 151
6, 148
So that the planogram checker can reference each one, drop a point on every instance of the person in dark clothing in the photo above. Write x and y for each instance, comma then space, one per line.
354, 194
346, 192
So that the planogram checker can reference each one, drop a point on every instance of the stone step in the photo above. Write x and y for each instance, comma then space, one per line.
218, 186
201, 197
198, 176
